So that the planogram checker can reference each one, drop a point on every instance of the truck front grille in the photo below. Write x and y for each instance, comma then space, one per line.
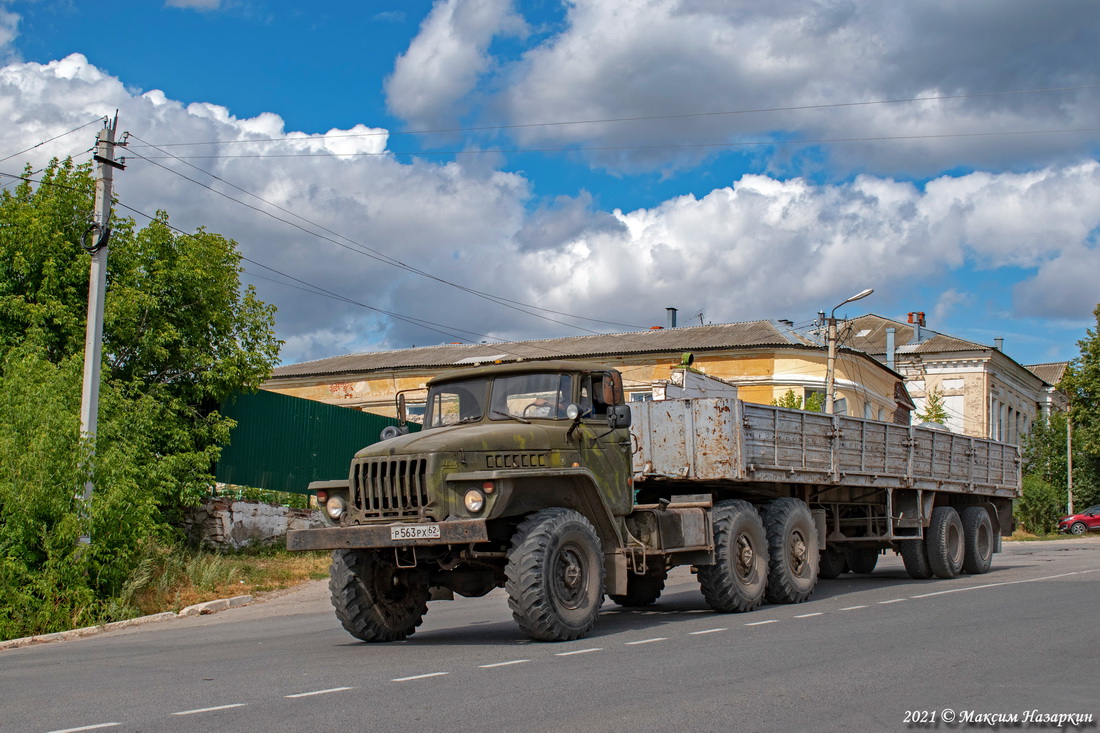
388, 487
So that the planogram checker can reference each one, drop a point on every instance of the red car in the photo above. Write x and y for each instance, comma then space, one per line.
1086, 521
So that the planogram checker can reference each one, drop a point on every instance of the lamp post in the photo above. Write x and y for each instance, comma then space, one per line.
830, 370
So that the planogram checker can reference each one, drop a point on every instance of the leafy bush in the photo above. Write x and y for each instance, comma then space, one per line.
1040, 506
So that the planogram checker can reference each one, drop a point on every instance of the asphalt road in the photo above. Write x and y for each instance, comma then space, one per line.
878, 652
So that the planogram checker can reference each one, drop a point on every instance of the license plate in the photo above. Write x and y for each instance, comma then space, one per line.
415, 532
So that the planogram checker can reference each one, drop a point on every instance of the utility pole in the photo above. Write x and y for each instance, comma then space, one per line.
1069, 464
830, 367
95, 241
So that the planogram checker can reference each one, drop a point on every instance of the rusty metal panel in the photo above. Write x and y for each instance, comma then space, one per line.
691, 439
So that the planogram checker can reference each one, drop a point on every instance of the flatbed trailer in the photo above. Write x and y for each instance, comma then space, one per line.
539, 478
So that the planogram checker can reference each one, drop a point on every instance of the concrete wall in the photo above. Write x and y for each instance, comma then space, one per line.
232, 525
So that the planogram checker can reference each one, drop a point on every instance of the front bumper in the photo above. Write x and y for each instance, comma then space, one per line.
372, 536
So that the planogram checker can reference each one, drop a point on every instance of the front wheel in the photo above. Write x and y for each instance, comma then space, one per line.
554, 576
374, 599
1078, 528
792, 550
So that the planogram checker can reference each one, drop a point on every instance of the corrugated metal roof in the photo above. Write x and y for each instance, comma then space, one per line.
1051, 373
698, 338
869, 334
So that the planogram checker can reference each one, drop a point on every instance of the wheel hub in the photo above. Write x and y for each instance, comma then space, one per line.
798, 553
571, 580
745, 555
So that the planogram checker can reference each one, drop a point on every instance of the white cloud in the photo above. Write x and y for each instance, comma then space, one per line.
639, 58
762, 247
9, 31
431, 80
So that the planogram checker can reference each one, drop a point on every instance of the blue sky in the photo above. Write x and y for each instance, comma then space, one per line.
743, 160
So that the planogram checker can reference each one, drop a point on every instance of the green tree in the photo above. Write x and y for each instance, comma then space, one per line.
1039, 506
814, 401
934, 409
1081, 384
180, 335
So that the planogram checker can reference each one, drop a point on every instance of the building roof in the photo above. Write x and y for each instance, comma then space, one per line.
868, 333
1051, 373
750, 334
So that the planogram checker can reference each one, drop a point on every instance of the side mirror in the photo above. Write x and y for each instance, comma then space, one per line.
618, 416
402, 414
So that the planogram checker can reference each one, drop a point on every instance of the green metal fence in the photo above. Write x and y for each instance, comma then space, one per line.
281, 443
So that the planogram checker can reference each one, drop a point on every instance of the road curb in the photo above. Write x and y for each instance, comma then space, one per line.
196, 610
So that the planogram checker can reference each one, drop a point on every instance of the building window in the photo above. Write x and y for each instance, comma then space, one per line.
641, 396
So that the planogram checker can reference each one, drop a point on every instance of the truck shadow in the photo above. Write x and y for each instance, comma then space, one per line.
682, 603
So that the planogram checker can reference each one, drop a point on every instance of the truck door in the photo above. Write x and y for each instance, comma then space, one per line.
604, 451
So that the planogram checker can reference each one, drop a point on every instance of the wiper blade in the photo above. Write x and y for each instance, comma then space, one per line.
514, 417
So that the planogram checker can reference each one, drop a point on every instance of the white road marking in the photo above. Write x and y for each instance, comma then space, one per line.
892, 600
707, 631
319, 692
419, 676
809, 615
852, 608
580, 651
87, 727
647, 641
761, 623
503, 664
1006, 582
211, 710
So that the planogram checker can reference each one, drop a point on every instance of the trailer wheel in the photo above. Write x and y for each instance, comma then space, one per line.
736, 581
862, 560
944, 542
374, 599
554, 576
978, 539
792, 550
832, 564
644, 589
915, 559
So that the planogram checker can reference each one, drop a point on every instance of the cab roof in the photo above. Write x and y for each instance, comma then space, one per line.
523, 367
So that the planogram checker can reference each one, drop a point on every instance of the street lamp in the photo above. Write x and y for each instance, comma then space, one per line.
830, 370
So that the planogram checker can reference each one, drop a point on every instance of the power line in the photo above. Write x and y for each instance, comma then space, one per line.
605, 148
374, 254
55, 137
646, 118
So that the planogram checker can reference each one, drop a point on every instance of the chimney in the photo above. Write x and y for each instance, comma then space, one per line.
890, 347
671, 317
999, 344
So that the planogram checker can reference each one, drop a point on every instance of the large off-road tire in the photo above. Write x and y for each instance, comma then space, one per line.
862, 560
943, 542
736, 581
374, 599
554, 576
832, 563
915, 558
977, 539
792, 550
646, 588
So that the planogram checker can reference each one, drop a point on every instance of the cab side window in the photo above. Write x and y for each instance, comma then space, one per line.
592, 404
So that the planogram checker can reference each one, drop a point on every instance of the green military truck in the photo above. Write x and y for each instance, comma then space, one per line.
537, 477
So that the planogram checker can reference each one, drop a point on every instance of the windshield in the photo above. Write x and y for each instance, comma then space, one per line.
456, 402
531, 396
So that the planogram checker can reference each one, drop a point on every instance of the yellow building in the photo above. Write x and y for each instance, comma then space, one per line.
764, 359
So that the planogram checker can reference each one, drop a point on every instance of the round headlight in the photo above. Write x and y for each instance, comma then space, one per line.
475, 500
335, 507
573, 411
